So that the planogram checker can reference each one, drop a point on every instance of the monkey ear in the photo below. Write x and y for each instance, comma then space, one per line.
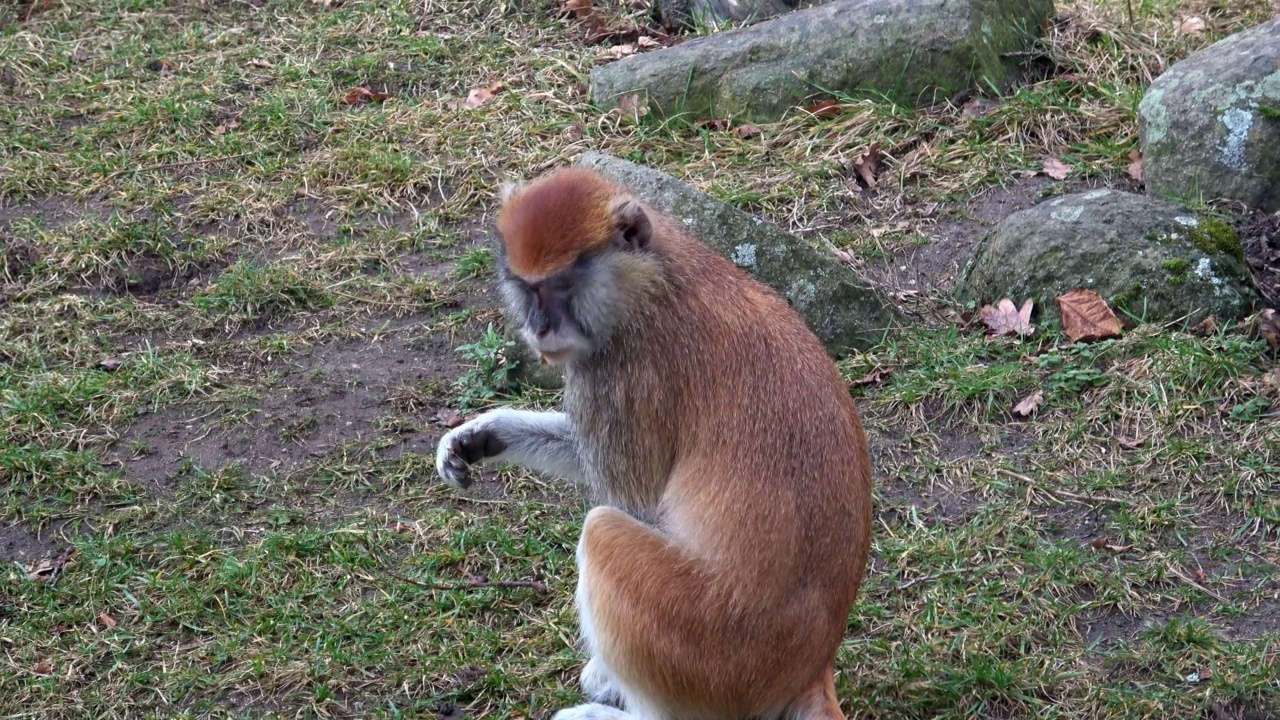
634, 231
507, 191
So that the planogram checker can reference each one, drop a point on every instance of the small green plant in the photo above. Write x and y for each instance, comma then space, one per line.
250, 290
490, 374
474, 263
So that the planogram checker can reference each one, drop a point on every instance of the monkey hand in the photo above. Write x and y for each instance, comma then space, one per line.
465, 446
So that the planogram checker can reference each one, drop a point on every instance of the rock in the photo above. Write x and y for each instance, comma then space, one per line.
699, 13
913, 51
1151, 258
1210, 125
842, 311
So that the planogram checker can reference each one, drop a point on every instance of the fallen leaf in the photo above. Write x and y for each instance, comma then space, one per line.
110, 364
844, 256
1101, 543
108, 621
226, 127
1200, 578
977, 107
825, 109
746, 131
1028, 404
1135, 165
871, 378
162, 65
865, 164
621, 51
1188, 25
1086, 316
1207, 326
580, 9
1007, 319
479, 96
362, 94
574, 133
44, 667
646, 42
449, 418
1268, 324
632, 105
1056, 169
260, 63
712, 125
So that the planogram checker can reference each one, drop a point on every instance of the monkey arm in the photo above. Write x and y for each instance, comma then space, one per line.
542, 441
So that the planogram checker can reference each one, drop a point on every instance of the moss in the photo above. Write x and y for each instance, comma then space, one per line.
1177, 269
1131, 298
1268, 112
1215, 236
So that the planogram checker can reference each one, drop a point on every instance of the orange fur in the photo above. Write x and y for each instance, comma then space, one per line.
718, 580
549, 223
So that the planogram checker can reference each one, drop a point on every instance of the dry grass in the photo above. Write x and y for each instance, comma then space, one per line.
235, 314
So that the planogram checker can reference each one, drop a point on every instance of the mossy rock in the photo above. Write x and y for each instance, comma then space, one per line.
1150, 259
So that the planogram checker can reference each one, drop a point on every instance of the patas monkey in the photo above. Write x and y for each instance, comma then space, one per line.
726, 457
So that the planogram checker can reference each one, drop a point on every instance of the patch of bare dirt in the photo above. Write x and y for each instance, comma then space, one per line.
324, 398
18, 544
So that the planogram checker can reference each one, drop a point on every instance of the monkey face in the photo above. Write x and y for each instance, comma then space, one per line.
567, 315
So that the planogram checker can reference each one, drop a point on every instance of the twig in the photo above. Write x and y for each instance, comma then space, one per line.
937, 576
1197, 585
471, 583
182, 163
1056, 493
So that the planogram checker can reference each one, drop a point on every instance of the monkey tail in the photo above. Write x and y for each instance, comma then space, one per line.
676, 636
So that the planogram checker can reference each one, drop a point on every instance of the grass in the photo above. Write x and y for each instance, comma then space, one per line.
238, 312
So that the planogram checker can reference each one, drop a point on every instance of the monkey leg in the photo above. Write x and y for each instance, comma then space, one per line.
593, 711
599, 685
681, 641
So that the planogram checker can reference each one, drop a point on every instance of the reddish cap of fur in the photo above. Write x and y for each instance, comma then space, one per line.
546, 225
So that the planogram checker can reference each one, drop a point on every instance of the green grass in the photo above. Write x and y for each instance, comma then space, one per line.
236, 314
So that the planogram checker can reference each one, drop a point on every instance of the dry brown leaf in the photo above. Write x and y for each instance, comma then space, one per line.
746, 131
1135, 165
162, 65
1086, 316
1188, 25
978, 107
580, 9
260, 63
1056, 169
1101, 543
865, 164
633, 106
825, 109
44, 667
574, 133
358, 95
1207, 326
1028, 404
872, 378
844, 256
647, 43
621, 51
480, 95
110, 364
1007, 319
226, 127
1268, 324
712, 125
106, 620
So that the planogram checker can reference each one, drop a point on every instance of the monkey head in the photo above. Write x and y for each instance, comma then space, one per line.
577, 255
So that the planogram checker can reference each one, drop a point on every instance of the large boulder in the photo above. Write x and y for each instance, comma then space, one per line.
1210, 125
913, 51
696, 13
842, 310
1150, 258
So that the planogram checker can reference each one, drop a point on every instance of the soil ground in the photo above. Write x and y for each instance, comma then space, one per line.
238, 314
